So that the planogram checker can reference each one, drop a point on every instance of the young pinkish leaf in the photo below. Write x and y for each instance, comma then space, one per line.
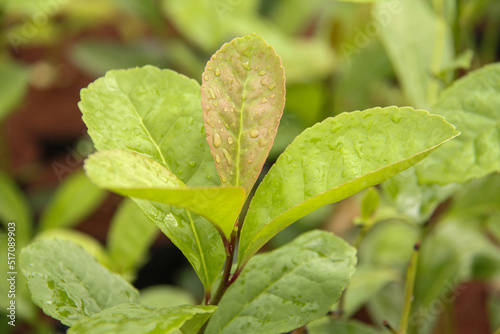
243, 95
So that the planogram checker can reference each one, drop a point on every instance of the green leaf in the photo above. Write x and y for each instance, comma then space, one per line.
15, 208
130, 235
414, 200
153, 112
328, 326
62, 211
158, 113
88, 243
165, 296
472, 104
135, 175
478, 198
369, 203
335, 159
419, 43
14, 79
286, 288
139, 319
366, 282
96, 57
243, 95
68, 283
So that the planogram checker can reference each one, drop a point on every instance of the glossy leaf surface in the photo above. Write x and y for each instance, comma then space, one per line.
158, 113
68, 283
135, 175
335, 159
286, 288
243, 95
62, 211
472, 104
139, 319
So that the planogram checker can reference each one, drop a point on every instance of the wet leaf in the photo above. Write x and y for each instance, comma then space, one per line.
68, 283
139, 319
286, 288
243, 95
134, 175
472, 104
335, 159
62, 211
158, 113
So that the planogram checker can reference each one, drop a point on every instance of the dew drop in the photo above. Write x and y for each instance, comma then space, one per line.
262, 72
227, 156
217, 140
230, 140
254, 133
231, 172
246, 65
262, 142
226, 109
211, 93
205, 77
272, 96
217, 159
217, 72
223, 178
192, 163
264, 100
251, 159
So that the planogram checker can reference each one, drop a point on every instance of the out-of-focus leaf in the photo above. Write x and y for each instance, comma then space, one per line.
159, 296
126, 110
137, 176
68, 283
335, 159
97, 57
415, 201
306, 101
130, 235
209, 24
419, 43
477, 198
15, 208
139, 319
88, 243
369, 203
387, 304
328, 326
472, 104
286, 288
389, 245
366, 282
243, 95
455, 252
13, 86
75, 199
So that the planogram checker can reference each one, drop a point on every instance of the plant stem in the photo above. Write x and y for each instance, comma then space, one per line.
410, 283
389, 327
226, 279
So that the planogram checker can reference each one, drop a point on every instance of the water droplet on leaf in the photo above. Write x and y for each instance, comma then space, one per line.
217, 140
254, 133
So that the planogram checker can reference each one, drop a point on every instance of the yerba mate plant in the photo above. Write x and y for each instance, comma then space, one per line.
189, 157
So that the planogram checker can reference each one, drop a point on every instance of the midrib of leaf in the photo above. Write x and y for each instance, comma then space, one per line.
268, 287
145, 129
304, 203
198, 244
240, 132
